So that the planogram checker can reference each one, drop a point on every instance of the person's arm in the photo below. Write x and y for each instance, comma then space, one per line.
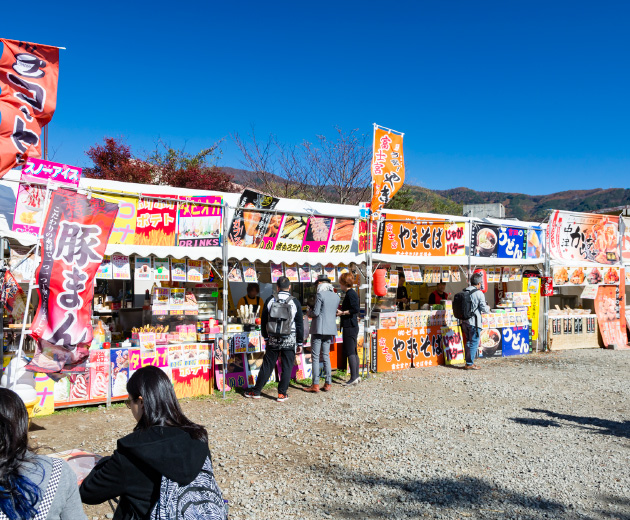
354, 303
318, 306
264, 319
299, 322
483, 306
72, 506
432, 298
105, 481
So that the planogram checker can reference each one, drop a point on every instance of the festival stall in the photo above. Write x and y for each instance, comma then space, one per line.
160, 296
430, 249
587, 300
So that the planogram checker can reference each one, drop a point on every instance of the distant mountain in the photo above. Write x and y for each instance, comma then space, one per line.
535, 207
517, 205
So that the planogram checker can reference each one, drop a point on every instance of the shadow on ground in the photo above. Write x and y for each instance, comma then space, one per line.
593, 424
465, 497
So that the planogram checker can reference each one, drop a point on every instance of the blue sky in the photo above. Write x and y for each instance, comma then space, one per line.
509, 96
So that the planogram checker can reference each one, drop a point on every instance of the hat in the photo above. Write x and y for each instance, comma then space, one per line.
283, 282
323, 278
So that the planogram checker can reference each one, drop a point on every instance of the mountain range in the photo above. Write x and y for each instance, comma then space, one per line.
517, 205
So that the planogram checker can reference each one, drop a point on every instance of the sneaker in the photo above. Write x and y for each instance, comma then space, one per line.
282, 397
252, 395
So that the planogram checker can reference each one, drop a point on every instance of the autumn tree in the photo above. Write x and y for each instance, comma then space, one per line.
113, 161
164, 166
331, 169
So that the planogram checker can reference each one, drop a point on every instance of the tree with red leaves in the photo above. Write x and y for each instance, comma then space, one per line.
165, 166
114, 162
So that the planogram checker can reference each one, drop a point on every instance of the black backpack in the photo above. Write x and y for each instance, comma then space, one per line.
280, 317
463, 305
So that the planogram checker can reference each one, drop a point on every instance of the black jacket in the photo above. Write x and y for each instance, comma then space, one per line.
350, 303
298, 324
135, 470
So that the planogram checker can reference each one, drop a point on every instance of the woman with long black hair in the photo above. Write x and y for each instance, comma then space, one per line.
32, 486
164, 443
350, 308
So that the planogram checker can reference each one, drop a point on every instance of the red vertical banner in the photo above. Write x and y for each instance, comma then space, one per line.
610, 309
75, 235
28, 97
388, 166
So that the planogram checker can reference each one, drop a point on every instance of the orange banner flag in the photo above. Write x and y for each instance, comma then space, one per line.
388, 166
28, 97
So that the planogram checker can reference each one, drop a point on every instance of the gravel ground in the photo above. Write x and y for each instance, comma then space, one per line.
540, 436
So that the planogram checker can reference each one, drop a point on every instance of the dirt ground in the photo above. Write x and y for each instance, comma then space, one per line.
538, 436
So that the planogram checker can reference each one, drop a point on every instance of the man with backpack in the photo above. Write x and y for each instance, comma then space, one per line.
467, 307
282, 326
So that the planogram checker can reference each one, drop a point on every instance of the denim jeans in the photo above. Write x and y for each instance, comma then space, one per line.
472, 334
321, 342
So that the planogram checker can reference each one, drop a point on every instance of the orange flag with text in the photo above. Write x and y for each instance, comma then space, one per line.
388, 166
28, 97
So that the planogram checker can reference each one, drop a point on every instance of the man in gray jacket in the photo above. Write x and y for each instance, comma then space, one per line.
472, 327
323, 331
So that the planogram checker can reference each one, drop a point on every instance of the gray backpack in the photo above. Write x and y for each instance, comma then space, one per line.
280, 317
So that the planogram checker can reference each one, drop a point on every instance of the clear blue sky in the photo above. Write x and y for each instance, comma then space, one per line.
529, 96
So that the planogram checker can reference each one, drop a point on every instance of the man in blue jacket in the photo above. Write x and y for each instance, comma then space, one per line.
472, 326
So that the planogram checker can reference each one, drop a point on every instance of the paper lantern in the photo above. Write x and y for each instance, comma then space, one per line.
484, 280
379, 283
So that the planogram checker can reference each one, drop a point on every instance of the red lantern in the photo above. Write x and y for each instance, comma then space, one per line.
484, 279
379, 282
546, 286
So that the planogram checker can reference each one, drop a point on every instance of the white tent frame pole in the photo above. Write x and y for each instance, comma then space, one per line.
20, 350
224, 269
367, 333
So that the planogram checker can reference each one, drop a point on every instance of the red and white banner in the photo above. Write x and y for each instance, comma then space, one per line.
28, 97
74, 238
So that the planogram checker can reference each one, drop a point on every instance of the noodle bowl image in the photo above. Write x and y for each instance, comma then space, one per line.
489, 342
486, 241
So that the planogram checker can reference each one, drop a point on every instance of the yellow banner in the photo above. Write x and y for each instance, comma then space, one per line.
124, 230
532, 286
388, 166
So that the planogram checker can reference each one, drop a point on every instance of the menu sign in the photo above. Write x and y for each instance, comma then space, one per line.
317, 234
29, 204
199, 224
410, 238
292, 233
511, 243
273, 231
584, 237
248, 225
485, 240
455, 237
341, 236
156, 221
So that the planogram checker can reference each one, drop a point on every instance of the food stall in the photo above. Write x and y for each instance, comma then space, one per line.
430, 249
587, 306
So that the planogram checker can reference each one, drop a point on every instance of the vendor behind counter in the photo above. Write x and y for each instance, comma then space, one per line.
252, 298
439, 295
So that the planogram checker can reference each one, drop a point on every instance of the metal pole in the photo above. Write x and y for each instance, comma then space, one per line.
367, 336
30, 283
3, 270
224, 269
546, 298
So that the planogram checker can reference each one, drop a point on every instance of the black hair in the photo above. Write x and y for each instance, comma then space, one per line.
18, 493
283, 282
161, 407
476, 279
253, 286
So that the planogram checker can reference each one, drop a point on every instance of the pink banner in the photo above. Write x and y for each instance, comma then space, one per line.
30, 199
317, 235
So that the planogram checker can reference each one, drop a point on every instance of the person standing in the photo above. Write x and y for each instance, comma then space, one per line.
282, 326
350, 308
472, 326
252, 298
30, 483
323, 331
402, 297
440, 294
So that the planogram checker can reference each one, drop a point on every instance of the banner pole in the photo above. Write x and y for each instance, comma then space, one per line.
224, 270
20, 350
